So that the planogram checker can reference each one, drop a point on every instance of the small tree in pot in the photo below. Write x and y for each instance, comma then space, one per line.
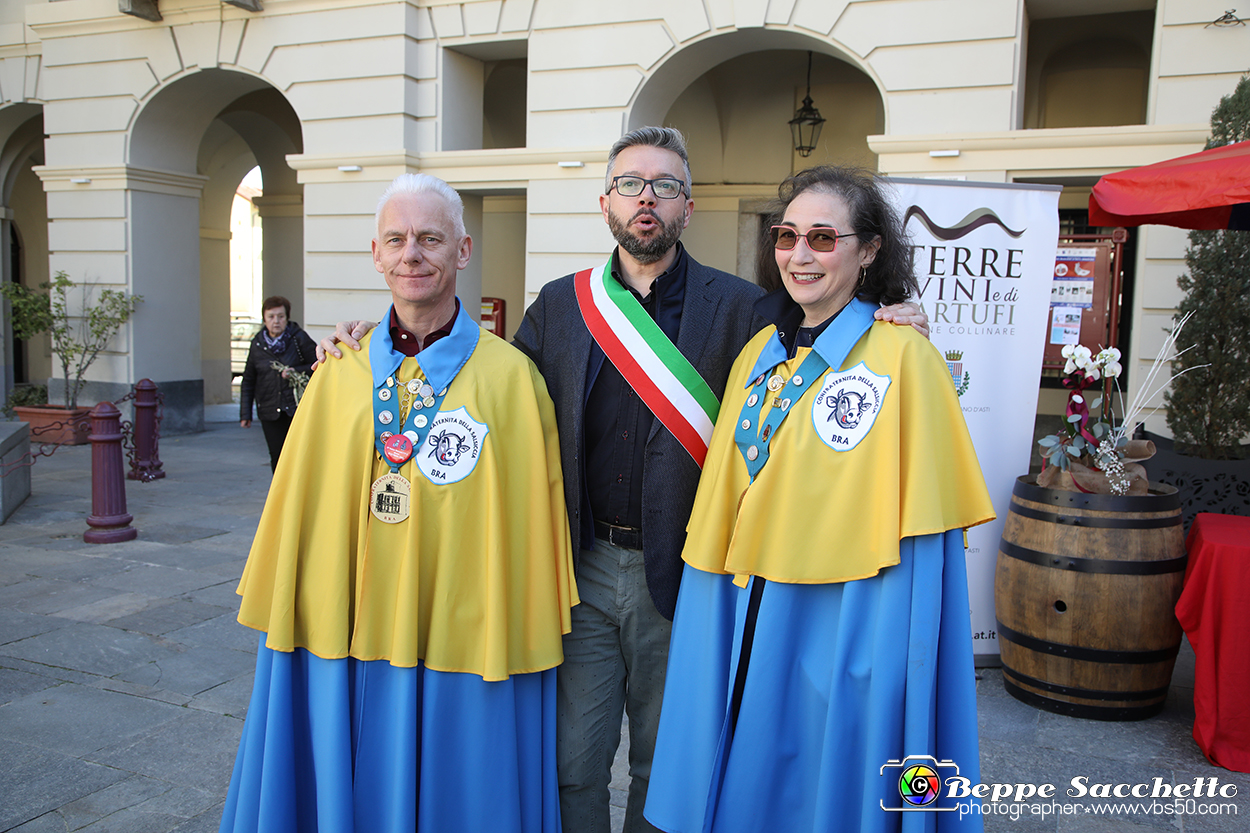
1209, 408
77, 341
1209, 405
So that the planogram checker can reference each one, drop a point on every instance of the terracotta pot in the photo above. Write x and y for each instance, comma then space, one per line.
73, 425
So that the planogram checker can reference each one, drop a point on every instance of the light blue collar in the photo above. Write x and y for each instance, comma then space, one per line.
440, 362
833, 345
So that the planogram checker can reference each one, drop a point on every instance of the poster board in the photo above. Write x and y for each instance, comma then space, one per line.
985, 258
1079, 298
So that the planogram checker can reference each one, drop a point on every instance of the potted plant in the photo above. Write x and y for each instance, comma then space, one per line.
77, 342
1209, 405
1091, 561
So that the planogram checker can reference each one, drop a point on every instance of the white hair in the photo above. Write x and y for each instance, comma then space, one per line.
418, 184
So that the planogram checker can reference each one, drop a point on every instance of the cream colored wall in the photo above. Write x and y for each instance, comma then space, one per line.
375, 87
501, 250
215, 316
31, 218
245, 253
1088, 70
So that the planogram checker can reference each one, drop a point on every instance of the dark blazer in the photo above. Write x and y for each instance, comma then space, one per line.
717, 319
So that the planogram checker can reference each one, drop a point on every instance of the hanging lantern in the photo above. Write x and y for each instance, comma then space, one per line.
806, 124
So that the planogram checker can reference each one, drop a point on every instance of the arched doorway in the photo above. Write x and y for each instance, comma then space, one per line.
212, 127
733, 96
23, 234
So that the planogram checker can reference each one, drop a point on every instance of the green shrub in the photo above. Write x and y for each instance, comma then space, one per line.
25, 396
76, 340
1209, 407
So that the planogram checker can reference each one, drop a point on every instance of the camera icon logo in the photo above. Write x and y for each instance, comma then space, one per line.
920, 779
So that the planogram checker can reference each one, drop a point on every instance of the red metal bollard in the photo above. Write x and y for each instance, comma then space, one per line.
109, 521
146, 465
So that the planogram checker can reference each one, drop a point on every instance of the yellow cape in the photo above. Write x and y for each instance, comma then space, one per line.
815, 515
479, 579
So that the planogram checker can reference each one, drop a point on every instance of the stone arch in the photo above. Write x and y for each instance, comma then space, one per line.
23, 232
733, 95
682, 67
190, 144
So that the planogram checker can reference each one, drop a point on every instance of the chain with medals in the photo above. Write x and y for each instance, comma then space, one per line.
403, 414
752, 438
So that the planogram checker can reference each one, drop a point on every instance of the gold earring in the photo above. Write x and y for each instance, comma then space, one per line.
863, 274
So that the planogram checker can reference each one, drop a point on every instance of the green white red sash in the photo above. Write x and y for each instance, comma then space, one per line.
649, 361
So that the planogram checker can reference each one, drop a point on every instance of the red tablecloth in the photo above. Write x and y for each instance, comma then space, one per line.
1214, 610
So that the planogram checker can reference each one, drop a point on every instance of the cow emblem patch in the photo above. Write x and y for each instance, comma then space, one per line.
847, 406
452, 447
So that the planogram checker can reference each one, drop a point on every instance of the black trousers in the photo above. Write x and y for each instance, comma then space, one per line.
275, 435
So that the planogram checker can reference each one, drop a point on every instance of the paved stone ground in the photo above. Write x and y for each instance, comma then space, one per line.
124, 677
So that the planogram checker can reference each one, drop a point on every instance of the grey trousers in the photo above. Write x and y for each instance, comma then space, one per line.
615, 658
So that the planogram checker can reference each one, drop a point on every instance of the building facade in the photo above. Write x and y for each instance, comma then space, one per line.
126, 126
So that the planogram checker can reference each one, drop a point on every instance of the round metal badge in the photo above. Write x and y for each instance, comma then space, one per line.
389, 498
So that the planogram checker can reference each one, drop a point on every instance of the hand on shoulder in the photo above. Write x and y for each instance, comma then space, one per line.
904, 314
345, 332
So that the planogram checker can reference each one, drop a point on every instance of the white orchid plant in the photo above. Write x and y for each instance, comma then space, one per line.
1085, 437
1098, 456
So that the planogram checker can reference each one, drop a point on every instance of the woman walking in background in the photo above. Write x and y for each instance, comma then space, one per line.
280, 340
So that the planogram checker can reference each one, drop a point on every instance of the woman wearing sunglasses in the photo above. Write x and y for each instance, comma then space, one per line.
822, 632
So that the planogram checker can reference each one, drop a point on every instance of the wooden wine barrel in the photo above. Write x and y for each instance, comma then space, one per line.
1084, 594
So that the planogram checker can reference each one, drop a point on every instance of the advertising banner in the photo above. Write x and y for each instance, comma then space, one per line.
985, 258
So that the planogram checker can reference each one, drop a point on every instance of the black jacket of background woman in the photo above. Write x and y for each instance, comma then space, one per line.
265, 386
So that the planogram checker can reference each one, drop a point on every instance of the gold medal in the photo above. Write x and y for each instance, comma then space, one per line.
389, 498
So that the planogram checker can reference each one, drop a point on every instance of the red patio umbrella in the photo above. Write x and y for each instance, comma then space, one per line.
1205, 190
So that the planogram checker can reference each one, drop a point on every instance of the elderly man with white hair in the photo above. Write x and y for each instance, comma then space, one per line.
411, 576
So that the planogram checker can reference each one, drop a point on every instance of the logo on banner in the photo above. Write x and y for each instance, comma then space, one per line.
974, 220
847, 406
961, 377
452, 447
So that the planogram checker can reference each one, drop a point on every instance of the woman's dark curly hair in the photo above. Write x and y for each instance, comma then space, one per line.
890, 278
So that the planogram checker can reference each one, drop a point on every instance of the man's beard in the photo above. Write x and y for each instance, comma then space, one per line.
651, 249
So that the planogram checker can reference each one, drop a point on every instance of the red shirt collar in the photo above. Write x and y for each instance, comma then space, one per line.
406, 342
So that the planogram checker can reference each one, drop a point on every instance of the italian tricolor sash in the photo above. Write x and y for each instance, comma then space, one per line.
650, 363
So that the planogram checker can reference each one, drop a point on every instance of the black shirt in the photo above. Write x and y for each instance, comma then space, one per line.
617, 422
780, 309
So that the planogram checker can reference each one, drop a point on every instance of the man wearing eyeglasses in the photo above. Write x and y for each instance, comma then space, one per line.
615, 344
635, 353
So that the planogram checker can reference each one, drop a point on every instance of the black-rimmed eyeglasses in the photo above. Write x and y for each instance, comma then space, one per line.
819, 239
666, 188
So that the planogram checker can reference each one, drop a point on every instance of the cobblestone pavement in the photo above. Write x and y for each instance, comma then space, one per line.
124, 678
